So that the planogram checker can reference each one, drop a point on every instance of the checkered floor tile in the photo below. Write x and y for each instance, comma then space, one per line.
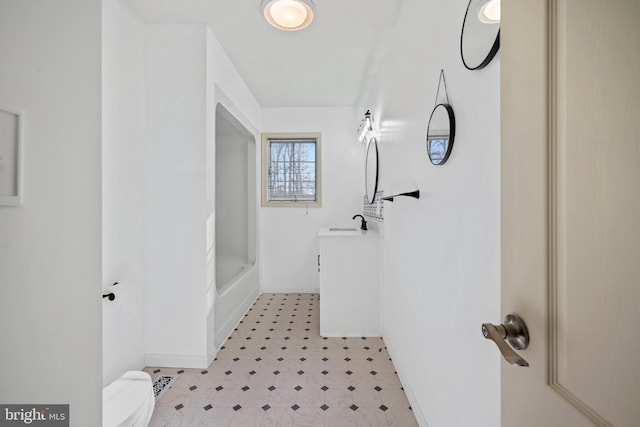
276, 370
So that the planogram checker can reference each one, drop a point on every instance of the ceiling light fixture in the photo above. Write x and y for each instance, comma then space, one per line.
289, 15
490, 12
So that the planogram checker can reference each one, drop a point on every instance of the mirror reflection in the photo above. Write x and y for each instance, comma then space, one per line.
440, 133
480, 38
371, 169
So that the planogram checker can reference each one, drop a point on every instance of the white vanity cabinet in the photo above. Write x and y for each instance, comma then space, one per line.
349, 265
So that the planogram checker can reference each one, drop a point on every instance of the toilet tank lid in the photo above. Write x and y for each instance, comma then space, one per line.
125, 397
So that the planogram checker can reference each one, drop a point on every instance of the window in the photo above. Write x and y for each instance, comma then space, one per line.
291, 169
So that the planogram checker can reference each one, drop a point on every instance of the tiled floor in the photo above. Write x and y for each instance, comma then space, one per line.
276, 370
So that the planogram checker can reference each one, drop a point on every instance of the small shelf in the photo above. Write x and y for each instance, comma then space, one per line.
415, 194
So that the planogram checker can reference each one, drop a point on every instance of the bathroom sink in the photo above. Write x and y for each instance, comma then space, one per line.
345, 231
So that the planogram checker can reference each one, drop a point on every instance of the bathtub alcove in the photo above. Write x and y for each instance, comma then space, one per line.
232, 257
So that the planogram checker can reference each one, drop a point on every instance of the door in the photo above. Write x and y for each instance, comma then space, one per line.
570, 235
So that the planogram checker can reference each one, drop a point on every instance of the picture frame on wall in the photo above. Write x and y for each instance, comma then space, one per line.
11, 141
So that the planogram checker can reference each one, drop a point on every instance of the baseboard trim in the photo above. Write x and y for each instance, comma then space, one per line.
417, 411
176, 361
289, 291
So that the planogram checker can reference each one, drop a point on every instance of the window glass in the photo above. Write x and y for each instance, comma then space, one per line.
291, 170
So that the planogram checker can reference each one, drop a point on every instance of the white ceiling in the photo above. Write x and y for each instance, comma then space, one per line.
333, 62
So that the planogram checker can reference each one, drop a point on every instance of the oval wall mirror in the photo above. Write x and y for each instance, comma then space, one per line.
371, 170
480, 38
441, 133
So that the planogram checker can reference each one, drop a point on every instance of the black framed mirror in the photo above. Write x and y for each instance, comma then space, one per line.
441, 133
480, 36
371, 170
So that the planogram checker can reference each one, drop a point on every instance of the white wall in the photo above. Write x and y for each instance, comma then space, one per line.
123, 188
187, 72
225, 86
440, 272
50, 248
175, 255
290, 235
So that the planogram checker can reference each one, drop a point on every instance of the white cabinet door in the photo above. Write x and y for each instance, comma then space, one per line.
570, 84
349, 287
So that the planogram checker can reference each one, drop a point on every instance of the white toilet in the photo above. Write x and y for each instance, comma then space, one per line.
128, 401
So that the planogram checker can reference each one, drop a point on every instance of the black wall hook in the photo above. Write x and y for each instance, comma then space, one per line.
111, 296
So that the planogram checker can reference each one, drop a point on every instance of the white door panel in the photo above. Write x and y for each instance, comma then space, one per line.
571, 210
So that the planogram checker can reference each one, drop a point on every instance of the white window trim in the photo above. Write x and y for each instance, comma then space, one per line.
266, 137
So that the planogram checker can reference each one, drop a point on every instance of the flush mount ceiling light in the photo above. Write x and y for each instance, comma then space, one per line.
289, 15
490, 12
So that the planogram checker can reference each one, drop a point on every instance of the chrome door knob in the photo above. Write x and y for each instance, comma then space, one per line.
514, 331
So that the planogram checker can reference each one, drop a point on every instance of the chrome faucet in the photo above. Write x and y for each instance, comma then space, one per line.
363, 225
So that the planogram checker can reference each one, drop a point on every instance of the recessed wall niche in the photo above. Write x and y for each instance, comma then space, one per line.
235, 194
